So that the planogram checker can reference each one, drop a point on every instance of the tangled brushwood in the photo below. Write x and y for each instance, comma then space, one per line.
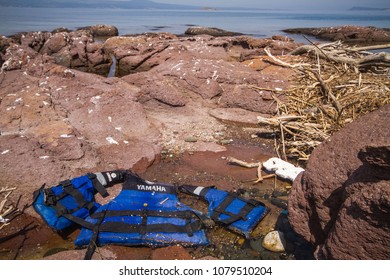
6, 209
333, 86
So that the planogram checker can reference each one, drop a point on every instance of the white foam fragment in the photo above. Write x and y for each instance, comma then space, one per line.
111, 140
66, 135
3, 220
282, 168
95, 99
5, 152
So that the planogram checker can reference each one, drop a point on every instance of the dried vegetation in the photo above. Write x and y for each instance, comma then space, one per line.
333, 85
6, 209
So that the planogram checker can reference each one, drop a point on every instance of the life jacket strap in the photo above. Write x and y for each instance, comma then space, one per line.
68, 189
119, 227
233, 217
97, 184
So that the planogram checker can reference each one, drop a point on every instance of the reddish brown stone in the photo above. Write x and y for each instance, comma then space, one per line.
341, 204
171, 253
346, 33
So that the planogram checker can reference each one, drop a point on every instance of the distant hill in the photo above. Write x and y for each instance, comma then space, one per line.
131, 4
368, 9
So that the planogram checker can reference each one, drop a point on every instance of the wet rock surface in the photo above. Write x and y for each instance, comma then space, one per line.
347, 34
341, 202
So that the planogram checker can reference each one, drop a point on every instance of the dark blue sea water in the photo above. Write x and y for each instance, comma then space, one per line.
259, 23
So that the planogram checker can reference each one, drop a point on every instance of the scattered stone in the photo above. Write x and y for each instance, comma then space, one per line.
225, 141
100, 254
274, 241
347, 33
281, 203
101, 30
190, 139
212, 31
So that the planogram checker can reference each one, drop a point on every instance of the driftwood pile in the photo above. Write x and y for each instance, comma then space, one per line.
333, 86
6, 209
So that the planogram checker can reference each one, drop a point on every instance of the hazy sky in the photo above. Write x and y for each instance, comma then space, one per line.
290, 4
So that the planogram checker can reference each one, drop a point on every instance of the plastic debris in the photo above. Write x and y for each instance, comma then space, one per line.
3, 220
111, 140
282, 168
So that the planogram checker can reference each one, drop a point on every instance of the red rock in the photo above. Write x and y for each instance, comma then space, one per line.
101, 30
100, 254
171, 253
341, 202
58, 123
346, 33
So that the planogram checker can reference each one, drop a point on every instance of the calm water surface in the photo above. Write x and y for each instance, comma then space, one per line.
259, 23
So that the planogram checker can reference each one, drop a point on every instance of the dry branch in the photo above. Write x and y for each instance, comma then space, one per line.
372, 60
5, 208
333, 86
233, 160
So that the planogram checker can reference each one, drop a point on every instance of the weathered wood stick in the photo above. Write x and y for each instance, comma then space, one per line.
242, 163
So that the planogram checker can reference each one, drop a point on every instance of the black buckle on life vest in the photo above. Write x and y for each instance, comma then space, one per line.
49, 197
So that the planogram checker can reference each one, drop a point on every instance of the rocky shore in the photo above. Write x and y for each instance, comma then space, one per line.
348, 34
174, 108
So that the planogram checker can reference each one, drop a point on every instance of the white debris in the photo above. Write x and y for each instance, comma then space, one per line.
95, 99
66, 135
282, 168
118, 128
125, 141
109, 119
90, 111
44, 157
111, 140
177, 66
19, 100
45, 103
278, 89
3, 220
68, 71
215, 76
4, 152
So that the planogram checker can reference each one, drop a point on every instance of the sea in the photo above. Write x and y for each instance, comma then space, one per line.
257, 23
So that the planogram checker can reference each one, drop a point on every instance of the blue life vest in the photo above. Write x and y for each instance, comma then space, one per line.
73, 200
144, 213
230, 209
